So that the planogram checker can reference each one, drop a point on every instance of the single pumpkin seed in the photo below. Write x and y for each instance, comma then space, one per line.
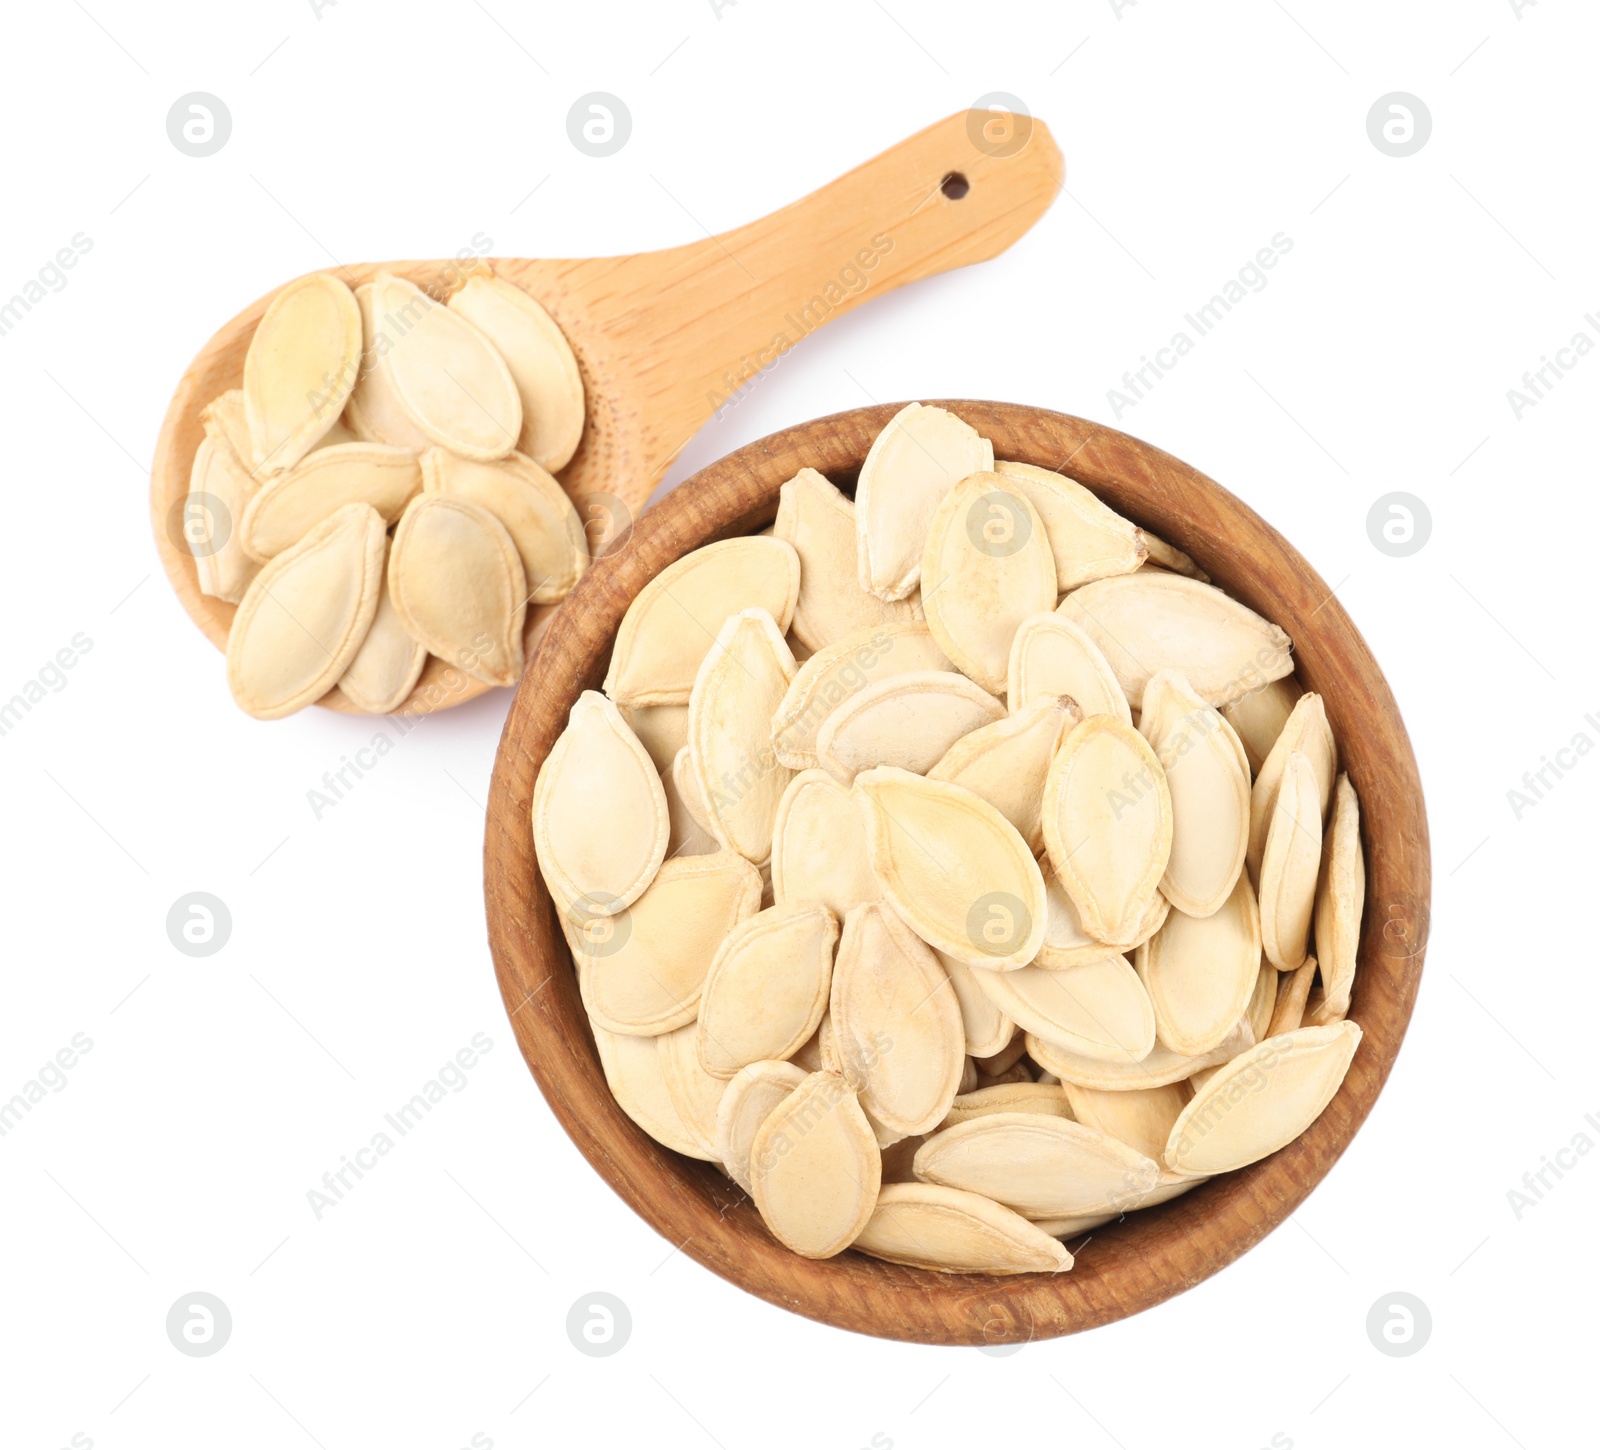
1015, 1097
1158, 1068
1307, 731
694, 1092
673, 622
1038, 1164
986, 1028
687, 832
740, 683
1097, 1010
457, 584
1066, 943
819, 523
908, 721
634, 1073
1289, 1011
1142, 1118
599, 812
1006, 762
1108, 825
541, 363
921, 454
1088, 540
1341, 896
1152, 620
896, 1022
986, 567
1289, 865
1259, 717
305, 615
387, 666
449, 378
954, 868
299, 369
927, 1226
1263, 1001
819, 847
375, 412
223, 570
1202, 971
1262, 1100
815, 1168
766, 988
663, 730
750, 1098
1052, 656
289, 505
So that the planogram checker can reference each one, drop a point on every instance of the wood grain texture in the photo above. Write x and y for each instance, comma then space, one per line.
1149, 1256
663, 338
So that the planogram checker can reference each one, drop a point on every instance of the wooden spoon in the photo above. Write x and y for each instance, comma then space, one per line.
663, 338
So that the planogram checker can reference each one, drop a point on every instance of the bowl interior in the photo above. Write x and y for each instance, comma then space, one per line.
1145, 1257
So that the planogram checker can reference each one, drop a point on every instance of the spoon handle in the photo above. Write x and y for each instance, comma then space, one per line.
700, 321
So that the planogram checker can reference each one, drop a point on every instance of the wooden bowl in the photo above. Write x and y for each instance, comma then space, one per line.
1147, 1256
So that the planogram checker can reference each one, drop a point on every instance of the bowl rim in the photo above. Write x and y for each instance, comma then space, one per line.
1141, 1260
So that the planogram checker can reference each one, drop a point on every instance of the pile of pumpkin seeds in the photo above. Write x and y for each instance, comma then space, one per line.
380, 489
946, 865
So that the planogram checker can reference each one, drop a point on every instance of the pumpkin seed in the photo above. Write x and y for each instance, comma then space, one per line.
1262, 1100
985, 1027
673, 622
1307, 731
299, 369
921, 454
1066, 943
986, 567
991, 1064
766, 987
457, 584
1260, 716
387, 666
1097, 1010
819, 523
1263, 1000
908, 721
750, 1098
1108, 825
1071, 1225
445, 373
739, 684
1088, 540
896, 1023
1038, 1164
304, 616
1142, 1118
819, 847
1015, 1097
1205, 773
925, 1226
1051, 656
288, 506
1288, 1013
540, 361
687, 832
693, 1091
1164, 556
1151, 620
1289, 865
815, 1168
634, 1073
530, 504
599, 812
644, 974
224, 570
954, 868
1341, 896
1157, 1069
375, 411
1202, 972
836, 672
663, 730
1005, 762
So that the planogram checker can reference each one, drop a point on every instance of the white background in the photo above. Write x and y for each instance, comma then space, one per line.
430, 1305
